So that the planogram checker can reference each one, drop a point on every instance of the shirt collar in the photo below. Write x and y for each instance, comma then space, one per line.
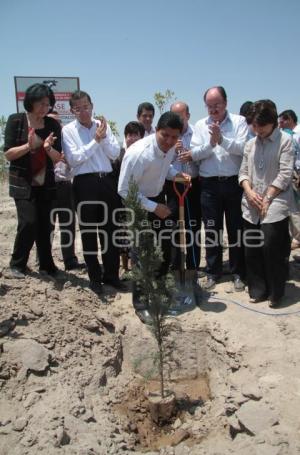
152, 130
189, 131
78, 125
158, 152
227, 118
272, 137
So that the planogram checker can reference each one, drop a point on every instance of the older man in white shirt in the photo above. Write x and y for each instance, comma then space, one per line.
218, 144
89, 145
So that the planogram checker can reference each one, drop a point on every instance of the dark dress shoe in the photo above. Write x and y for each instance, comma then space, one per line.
238, 284
144, 316
52, 272
256, 300
210, 283
274, 303
116, 283
74, 264
96, 287
13, 272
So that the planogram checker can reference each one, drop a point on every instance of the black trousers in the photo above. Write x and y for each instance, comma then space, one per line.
221, 197
192, 213
33, 226
63, 208
157, 225
267, 250
96, 199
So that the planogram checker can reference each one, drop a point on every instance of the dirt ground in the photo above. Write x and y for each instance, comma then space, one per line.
74, 368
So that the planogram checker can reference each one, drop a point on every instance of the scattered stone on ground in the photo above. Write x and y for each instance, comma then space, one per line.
74, 369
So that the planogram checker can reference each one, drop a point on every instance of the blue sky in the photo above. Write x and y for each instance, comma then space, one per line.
124, 51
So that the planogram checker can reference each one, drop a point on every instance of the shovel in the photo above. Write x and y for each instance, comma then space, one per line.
189, 293
181, 196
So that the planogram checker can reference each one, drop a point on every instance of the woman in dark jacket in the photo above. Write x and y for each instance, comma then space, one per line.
32, 144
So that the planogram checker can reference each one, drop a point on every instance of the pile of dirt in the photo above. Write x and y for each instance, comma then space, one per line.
74, 369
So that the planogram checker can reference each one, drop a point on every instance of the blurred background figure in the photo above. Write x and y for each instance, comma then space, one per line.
245, 110
133, 132
63, 208
145, 115
287, 121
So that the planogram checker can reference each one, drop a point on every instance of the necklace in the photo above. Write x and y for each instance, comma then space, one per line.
261, 163
36, 123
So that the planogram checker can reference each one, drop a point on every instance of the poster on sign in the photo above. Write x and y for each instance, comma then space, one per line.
62, 87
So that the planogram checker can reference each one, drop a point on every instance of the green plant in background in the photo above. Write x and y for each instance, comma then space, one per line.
163, 99
156, 292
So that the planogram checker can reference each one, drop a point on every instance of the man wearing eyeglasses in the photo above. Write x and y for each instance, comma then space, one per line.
89, 145
217, 144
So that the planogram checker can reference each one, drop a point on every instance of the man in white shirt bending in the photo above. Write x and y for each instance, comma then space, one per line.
89, 145
148, 162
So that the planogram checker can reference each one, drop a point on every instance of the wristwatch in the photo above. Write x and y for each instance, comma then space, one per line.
269, 198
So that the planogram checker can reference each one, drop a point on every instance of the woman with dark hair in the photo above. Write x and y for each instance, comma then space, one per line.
266, 176
32, 144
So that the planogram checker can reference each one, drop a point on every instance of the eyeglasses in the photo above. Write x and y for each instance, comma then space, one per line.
214, 106
86, 108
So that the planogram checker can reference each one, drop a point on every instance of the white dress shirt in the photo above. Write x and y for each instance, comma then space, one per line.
149, 166
191, 168
83, 153
297, 129
148, 133
224, 159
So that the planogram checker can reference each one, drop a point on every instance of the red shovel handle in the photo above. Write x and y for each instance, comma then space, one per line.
187, 185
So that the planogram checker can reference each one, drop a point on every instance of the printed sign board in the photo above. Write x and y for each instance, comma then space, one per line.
61, 86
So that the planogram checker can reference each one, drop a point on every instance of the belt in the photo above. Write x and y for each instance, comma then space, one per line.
220, 178
94, 174
63, 182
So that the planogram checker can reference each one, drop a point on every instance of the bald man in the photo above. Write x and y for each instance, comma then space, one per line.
192, 206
